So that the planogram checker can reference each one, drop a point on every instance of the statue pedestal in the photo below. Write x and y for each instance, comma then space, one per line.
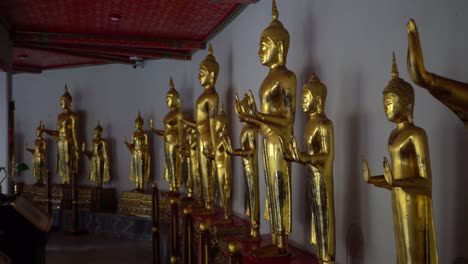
219, 229
89, 198
295, 255
135, 203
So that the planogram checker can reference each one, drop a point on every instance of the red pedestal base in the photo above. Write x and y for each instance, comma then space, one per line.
294, 256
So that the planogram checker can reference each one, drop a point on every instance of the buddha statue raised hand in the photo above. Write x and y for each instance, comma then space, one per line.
66, 138
408, 177
99, 167
275, 119
39, 155
172, 136
139, 149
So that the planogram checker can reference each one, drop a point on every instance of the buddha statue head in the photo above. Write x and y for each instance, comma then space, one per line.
398, 98
172, 96
274, 42
65, 99
209, 69
314, 94
98, 130
40, 129
139, 122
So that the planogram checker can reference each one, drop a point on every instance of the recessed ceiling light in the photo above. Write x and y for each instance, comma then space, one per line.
23, 57
114, 18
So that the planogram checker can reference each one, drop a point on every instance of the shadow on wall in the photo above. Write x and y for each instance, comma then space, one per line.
352, 178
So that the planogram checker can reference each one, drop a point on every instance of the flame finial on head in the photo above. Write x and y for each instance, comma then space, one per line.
394, 67
98, 127
274, 10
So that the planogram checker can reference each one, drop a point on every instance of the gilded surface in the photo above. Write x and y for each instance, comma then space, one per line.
193, 181
318, 159
248, 152
275, 120
222, 161
98, 159
408, 177
205, 111
453, 94
172, 136
39, 160
66, 138
139, 148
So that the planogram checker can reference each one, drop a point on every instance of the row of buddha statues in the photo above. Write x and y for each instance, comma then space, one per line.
204, 145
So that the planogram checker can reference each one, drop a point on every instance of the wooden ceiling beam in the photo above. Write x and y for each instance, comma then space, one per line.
92, 55
113, 50
26, 69
137, 42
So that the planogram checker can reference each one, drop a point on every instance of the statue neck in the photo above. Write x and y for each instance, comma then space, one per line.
316, 114
209, 86
404, 124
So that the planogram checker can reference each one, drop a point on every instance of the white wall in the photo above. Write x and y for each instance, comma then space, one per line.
349, 45
5, 97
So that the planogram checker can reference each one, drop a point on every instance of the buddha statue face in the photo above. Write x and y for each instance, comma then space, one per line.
139, 125
97, 133
65, 104
268, 51
309, 102
172, 100
394, 109
38, 132
205, 76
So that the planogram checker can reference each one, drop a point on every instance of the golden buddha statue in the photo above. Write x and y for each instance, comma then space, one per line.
66, 137
98, 157
139, 148
318, 159
39, 160
206, 110
453, 94
172, 135
193, 181
276, 119
248, 152
222, 161
407, 176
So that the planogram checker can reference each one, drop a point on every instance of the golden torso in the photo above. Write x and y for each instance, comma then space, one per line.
278, 102
171, 127
65, 124
207, 104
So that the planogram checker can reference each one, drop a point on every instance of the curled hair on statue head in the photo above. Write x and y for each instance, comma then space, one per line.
402, 89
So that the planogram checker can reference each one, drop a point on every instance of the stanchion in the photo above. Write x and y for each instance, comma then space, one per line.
155, 220
49, 193
188, 236
174, 225
204, 245
235, 256
75, 209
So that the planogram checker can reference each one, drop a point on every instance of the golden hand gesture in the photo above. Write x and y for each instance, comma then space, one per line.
83, 147
388, 175
366, 171
227, 144
151, 123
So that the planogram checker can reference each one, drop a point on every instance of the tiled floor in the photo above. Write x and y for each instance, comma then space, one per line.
91, 249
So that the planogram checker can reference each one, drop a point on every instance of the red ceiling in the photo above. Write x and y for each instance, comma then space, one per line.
51, 34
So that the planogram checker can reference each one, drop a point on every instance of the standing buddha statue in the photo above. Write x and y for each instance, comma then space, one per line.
407, 176
66, 137
222, 162
172, 135
39, 159
275, 119
248, 152
318, 159
139, 148
98, 157
206, 110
